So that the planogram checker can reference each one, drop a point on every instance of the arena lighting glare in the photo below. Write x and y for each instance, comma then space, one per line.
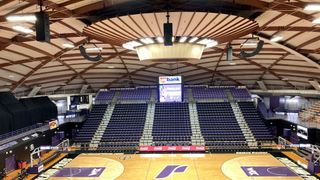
22, 18
316, 21
276, 38
22, 29
152, 48
312, 7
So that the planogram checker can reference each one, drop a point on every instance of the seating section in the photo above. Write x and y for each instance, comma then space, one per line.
200, 93
104, 96
219, 126
171, 124
311, 114
143, 94
255, 122
91, 124
240, 94
125, 127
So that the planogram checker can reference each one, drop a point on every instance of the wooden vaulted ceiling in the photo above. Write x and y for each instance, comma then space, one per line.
25, 63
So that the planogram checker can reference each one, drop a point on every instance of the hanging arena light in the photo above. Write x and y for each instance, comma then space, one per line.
253, 41
143, 34
94, 47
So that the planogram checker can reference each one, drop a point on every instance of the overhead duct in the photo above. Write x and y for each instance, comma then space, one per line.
85, 55
253, 53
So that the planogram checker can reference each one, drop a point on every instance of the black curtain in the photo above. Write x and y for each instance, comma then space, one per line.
33, 110
5, 120
16, 109
47, 107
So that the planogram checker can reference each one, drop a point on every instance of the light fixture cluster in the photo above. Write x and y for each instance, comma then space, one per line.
131, 45
21, 19
309, 7
313, 7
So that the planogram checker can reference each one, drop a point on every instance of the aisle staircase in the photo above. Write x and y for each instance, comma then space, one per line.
229, 95
190, 95
146, 139
154, 95
196, 138
251, 141
115, 97
95, 141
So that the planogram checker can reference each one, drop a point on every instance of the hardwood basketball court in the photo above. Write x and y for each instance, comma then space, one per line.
175, 166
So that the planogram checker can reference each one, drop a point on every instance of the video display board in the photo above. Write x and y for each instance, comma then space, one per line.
170, 89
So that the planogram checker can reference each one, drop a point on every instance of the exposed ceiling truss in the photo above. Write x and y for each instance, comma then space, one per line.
24, 63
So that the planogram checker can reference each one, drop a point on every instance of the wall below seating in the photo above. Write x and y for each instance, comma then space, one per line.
280, 124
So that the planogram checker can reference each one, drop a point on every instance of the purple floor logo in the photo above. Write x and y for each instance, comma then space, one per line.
170, 169
80, 172
267, 171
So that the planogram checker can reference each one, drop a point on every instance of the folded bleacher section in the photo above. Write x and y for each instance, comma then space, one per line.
125, 127
240, 94
255, 122
171, 124
219, 126
91, 124
104, 96
141, 94
203, 93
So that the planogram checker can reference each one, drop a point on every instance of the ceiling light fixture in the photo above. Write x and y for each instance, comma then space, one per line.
68, 44
147, 40
316, 21
183, 39
94, 49
193, 39
253, 41
211, 43
160, 39
312, 7
276, 38
22, 29
152, 48
21, 18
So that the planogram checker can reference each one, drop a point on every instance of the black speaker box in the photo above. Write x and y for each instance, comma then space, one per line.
42, 27
167, 28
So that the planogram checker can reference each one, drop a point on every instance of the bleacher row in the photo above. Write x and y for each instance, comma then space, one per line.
92, 123
198, 93
171, 125
125, 127
219, 125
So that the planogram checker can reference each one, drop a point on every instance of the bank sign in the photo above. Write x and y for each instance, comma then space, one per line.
170, 80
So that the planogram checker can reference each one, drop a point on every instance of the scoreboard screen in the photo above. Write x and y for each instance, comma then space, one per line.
170, 89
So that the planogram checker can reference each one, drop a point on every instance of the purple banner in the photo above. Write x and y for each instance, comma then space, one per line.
268, 171
80, 172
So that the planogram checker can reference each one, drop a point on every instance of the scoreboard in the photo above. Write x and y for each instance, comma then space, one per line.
170, 89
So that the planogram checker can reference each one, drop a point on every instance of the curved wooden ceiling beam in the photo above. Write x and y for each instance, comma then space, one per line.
130, 74
54, 57
94, 65
290, 50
